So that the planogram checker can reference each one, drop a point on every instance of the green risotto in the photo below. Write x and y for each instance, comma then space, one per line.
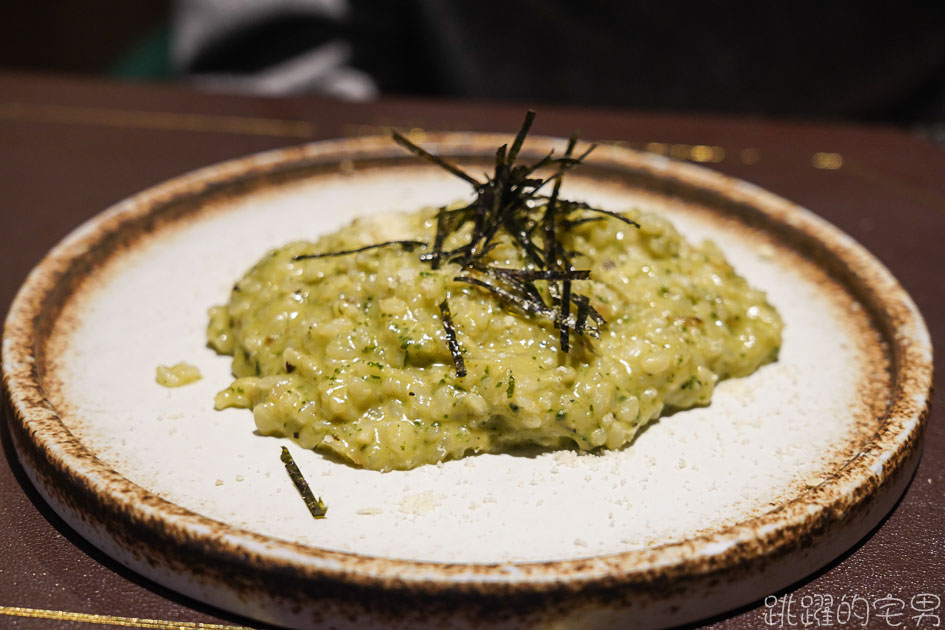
349, 353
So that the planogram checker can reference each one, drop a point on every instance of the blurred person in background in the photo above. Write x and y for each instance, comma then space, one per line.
827, 59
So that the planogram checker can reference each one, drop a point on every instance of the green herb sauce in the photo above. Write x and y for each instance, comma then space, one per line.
348, 354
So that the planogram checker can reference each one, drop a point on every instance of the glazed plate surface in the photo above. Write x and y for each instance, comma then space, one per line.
708, 509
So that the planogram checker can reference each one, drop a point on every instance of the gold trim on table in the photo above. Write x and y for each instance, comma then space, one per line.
112, 620
174, 121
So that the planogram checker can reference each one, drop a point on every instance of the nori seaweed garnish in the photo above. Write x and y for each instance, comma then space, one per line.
406, 245
510, 201
315, 505
458, 364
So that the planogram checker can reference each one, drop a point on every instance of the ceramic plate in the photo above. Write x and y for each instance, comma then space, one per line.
708, 509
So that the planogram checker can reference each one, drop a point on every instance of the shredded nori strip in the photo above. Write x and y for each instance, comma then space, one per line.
536, 274
407, 245
315, 505
580, 205
413, 148
583, 305
458, 364
520, 137
525, 303
563, 315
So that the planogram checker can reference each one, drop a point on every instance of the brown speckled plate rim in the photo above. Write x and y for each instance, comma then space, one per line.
60, 461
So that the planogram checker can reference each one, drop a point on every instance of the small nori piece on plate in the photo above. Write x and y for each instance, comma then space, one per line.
315, 505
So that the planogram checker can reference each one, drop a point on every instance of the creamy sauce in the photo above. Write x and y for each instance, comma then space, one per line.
348, 354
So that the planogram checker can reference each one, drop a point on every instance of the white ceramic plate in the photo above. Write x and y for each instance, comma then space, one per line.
709, 508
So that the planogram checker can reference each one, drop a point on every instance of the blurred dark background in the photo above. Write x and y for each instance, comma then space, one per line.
97, 37
829, 61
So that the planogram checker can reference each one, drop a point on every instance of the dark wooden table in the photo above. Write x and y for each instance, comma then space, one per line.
70, 148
